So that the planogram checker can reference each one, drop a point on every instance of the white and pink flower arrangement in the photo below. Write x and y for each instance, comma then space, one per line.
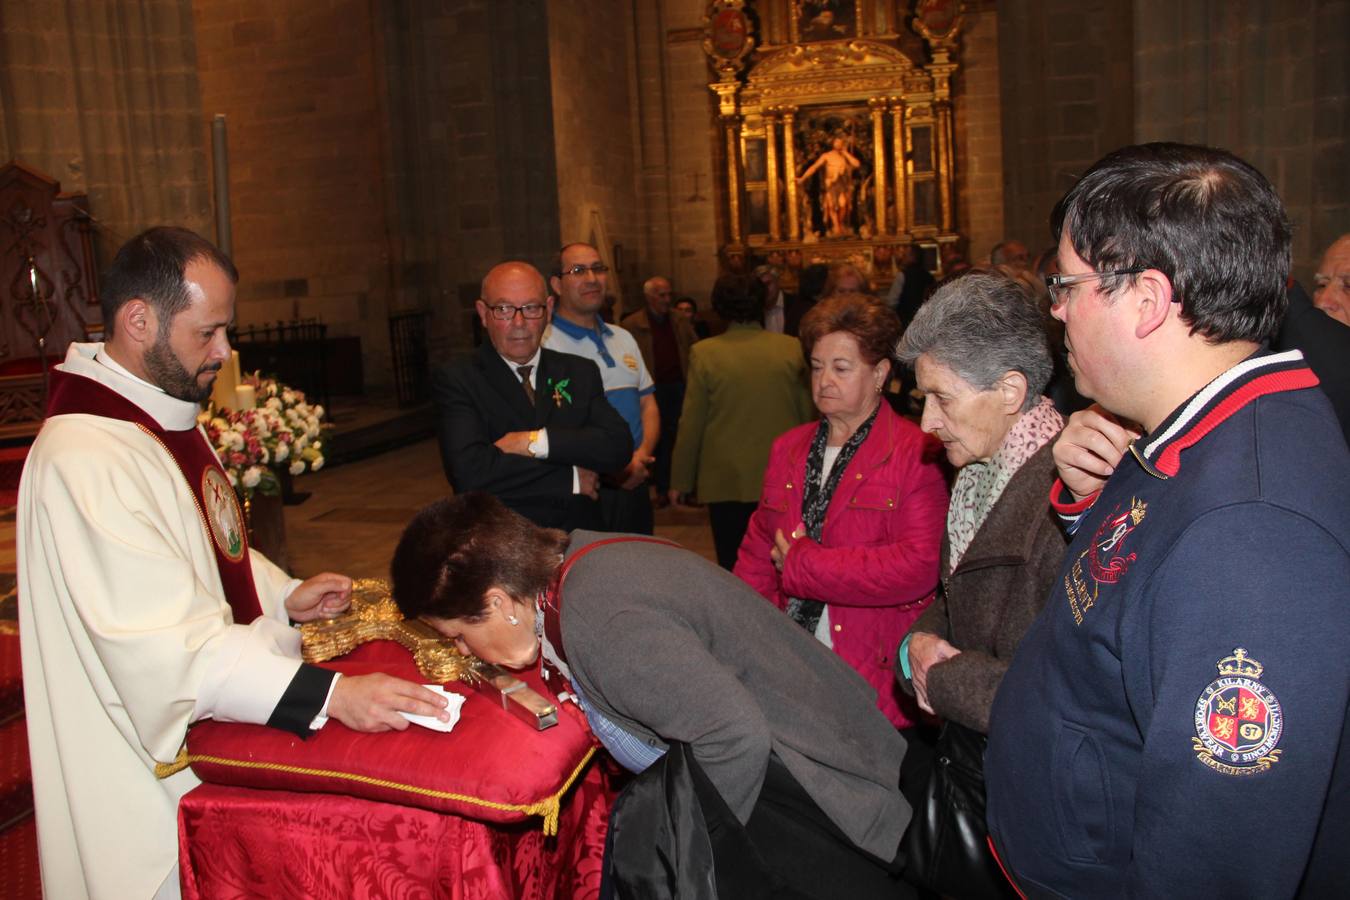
281, 434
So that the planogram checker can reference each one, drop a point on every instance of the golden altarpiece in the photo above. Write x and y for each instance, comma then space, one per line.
835, 130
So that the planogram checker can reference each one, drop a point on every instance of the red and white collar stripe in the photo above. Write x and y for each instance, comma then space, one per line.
1256, 376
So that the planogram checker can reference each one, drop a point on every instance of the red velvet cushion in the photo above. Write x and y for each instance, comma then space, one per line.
492, 767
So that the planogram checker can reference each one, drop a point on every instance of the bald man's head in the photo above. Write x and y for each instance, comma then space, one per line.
514, 309
513, 269
1331, 290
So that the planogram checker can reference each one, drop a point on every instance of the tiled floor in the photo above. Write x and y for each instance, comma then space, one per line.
355, 513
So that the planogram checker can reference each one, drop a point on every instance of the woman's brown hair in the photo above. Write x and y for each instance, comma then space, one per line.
456, 549
874, 325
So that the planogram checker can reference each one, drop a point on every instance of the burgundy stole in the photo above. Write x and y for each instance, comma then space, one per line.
211, 492
552, 599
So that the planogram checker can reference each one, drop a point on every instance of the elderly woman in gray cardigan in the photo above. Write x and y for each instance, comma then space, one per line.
981, 357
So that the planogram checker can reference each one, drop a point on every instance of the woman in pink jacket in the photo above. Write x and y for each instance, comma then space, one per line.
846, 536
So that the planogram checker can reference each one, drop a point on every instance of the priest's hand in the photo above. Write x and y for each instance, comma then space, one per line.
322, 597
373, 702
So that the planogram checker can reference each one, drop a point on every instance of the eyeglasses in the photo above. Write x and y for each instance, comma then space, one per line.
505, 312
1058, 285
580, 270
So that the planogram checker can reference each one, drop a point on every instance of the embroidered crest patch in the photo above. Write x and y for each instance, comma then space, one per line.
630, 361
1238, 720
1106, 558
222, 512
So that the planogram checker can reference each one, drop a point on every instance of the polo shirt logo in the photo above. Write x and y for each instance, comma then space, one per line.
630, 361
1107, 560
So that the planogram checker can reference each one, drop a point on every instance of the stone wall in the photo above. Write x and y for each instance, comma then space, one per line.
469, 152
596, 125
1066, 86
104, 98
692, 223
296, 82
1269, 81
978, 134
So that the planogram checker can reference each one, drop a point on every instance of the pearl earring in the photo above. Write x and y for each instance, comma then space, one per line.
513, 620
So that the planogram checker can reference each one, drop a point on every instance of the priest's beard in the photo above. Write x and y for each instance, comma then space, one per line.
168, 373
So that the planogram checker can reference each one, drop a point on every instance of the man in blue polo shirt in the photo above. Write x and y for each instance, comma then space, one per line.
1174, 722
579, 282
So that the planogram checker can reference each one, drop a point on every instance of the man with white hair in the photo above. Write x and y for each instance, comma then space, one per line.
664, 340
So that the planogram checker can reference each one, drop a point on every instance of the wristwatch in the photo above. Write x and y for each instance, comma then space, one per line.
534, 439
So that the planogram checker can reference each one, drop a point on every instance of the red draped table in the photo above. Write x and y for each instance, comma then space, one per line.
416, 814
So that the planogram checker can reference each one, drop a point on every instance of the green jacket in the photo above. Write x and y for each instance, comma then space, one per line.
744, 388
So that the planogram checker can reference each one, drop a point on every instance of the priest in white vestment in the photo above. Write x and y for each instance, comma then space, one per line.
142, 609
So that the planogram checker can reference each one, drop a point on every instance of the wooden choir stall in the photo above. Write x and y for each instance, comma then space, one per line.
48, 291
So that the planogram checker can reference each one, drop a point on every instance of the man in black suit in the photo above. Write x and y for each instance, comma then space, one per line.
527, 424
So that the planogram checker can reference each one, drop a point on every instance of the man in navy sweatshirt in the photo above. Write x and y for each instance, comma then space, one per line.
1174, 723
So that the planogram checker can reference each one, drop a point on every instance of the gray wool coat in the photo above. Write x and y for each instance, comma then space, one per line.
986, 605
671, 647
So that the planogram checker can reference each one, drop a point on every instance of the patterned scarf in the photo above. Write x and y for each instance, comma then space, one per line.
816, 500
979, 484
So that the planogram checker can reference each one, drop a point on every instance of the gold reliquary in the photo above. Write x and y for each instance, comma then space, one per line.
374, 616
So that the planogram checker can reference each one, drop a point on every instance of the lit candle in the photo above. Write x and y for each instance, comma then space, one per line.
246, 397
222, 393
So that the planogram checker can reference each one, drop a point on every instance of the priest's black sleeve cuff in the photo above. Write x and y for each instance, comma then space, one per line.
304, 698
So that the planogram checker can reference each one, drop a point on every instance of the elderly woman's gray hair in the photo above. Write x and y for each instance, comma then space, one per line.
981, 327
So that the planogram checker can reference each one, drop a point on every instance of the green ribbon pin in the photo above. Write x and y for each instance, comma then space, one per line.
560, 390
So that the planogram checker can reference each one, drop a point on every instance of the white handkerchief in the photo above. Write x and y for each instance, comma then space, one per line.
435, 724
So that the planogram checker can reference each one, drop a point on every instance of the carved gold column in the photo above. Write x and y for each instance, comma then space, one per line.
733, 183
898, 148
771, 162
878, 107
790, 173
944, 160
